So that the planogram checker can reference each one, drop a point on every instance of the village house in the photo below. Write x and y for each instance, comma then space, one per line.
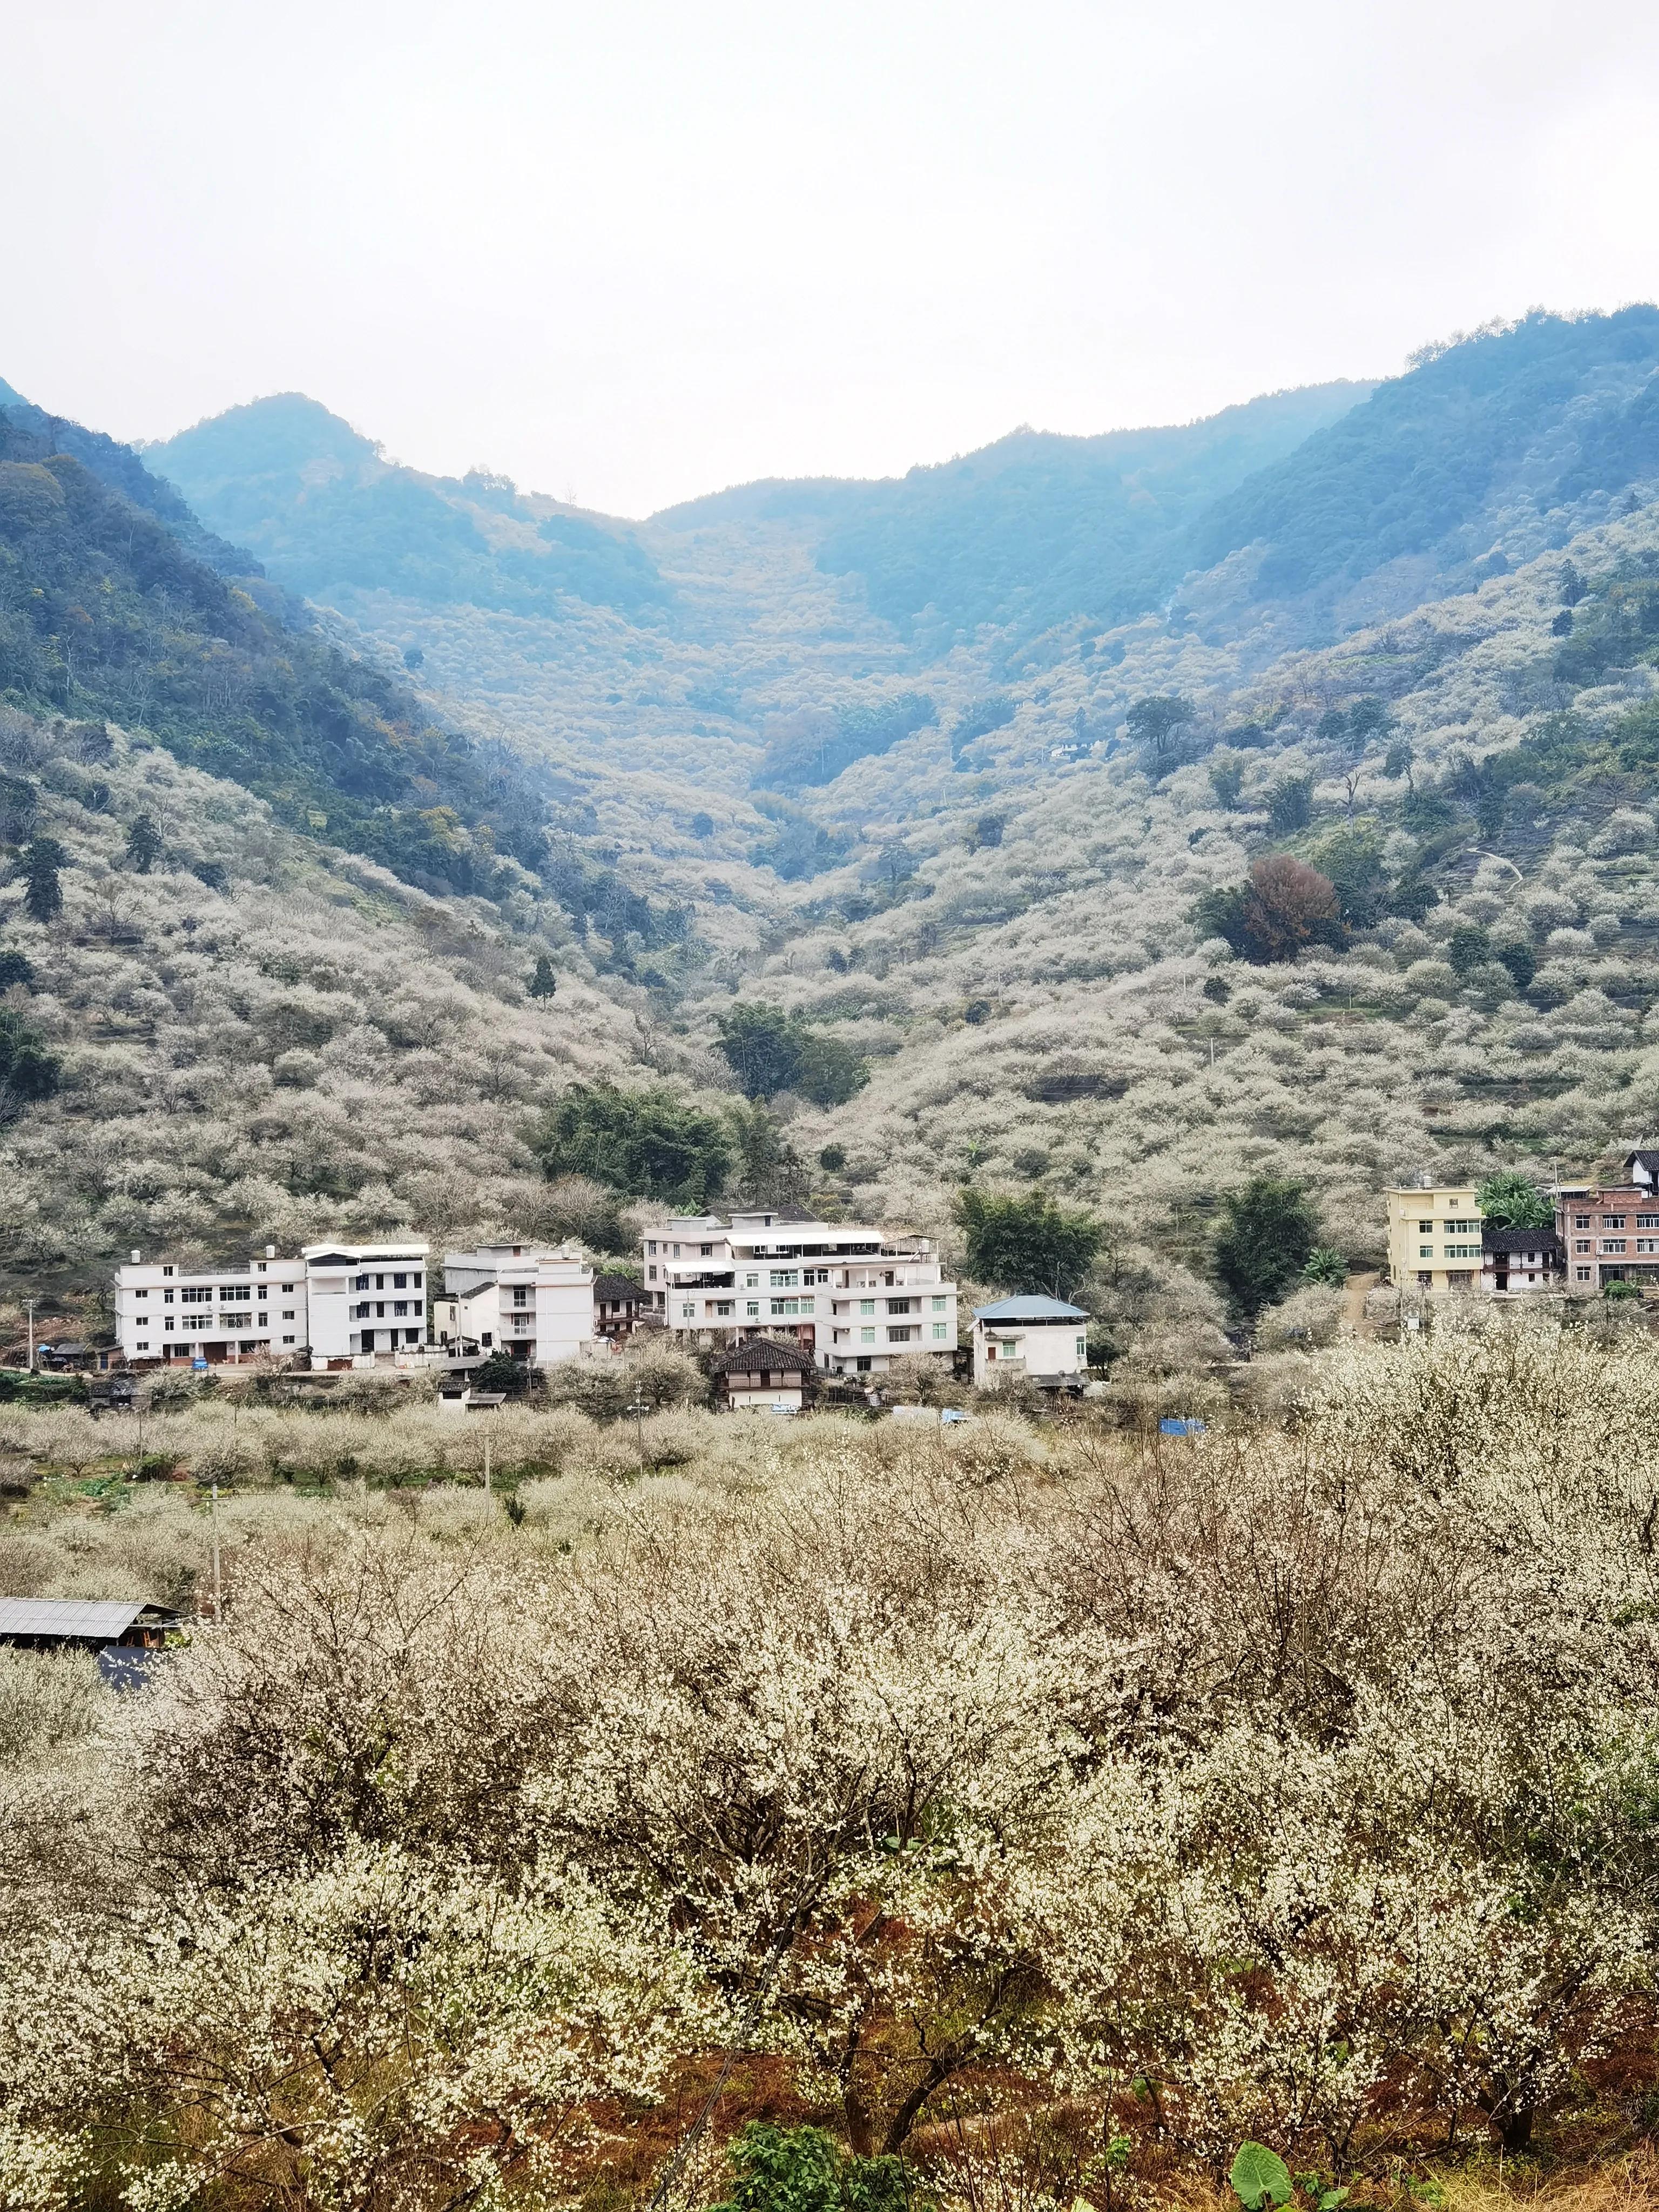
1610, 1232
535, 1304
619, 1303
1516, 1262
1434, 1238
1044, 1339
854, 1298
335, 1303
761, 1376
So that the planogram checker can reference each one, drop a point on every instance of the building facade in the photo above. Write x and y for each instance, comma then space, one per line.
1044, 1339
367, 1299
332, 1303
252, 1310
535, 1304
1518, 1262
856, 1298
1434, 1238
1611, 1230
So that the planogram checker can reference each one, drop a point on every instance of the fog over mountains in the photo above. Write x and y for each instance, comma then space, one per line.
960, 768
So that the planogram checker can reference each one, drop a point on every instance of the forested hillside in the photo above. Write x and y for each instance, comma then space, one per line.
332, 516
1125, 916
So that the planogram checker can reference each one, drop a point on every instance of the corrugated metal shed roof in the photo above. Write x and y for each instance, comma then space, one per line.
1030, 1308
70, 1616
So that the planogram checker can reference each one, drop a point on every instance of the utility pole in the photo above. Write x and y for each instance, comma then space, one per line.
218, 1578
486, 1455
636, 1413
30, 1303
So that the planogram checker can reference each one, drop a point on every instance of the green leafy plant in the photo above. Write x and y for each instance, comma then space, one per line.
1260, 2176
804, 2170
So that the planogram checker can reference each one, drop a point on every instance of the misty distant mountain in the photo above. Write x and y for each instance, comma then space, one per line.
332, 517
1037, 529
1485, 453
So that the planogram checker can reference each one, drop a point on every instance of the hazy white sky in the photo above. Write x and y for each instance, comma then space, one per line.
641, 249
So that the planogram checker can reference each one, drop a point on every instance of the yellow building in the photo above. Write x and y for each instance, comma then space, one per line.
1434, 1238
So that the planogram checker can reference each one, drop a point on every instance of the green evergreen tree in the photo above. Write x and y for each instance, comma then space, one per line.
543, 984
1268, 1234
144, 844
42, 858
1026, 1243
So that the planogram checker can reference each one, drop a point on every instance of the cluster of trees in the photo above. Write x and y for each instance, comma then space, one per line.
1025, 1243
768, 1051
988, 1804
816, 745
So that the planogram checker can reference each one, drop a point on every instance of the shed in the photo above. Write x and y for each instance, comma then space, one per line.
50, 1624
762, 1376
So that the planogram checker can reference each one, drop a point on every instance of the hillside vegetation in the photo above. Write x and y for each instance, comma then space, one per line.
1041, 1813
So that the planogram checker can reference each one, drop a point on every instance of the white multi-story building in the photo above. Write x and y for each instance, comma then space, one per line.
537, 1305
1043, 1339
247, 1310
334, 1303
856, 1298
367, 1298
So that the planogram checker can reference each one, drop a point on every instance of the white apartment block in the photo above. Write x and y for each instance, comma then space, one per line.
367, 1298
537, 1305
1043, 1339
334, 1303
248, 1310
856, 1298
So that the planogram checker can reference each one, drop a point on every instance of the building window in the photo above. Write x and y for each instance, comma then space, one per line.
786, 1278
650, 1275
400, 1282
898, 1305
1581, 1245
287, 1313
193, 1298
400, 1305
168, 1324
1425, 1278
940, 1304
1647, 1244
688, 1313
866, 1336
1613, 1221
287, 1339
1580, 1274
1613, 1243
166, 1271
941, 1331
900, 1335
1647, 1220
360, 1282
144, 1347
651, 1246
867, 1305
1425, 1229
167, 1298
1083, 1347
140, 1294
1426, 1251
723, 1308
1463, 1251
520, 1294
751, 1282
705, 1250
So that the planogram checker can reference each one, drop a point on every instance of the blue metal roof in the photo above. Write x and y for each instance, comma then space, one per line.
1030, 1308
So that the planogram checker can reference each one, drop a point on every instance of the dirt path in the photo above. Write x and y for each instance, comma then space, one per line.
1353, 1302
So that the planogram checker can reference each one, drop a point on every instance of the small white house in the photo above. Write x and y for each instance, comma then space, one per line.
1043, 1339
535, 1303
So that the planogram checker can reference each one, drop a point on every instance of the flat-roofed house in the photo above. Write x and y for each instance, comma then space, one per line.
251, 1308
535, 1303
1045, 1340
1434, 1238
854, 1297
